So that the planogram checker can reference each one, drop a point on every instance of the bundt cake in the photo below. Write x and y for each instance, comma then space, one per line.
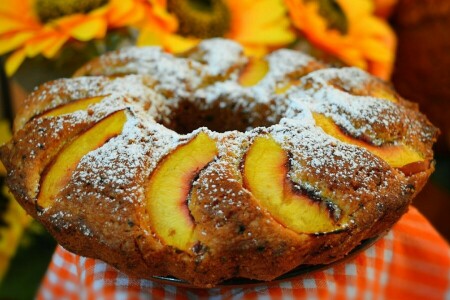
210, 165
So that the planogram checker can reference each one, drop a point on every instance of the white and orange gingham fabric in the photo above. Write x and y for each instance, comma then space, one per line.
411, 262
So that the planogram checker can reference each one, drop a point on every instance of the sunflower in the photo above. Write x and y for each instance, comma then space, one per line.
348, 30
258, 25
33, 27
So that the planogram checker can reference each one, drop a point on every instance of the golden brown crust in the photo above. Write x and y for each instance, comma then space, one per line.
102, 211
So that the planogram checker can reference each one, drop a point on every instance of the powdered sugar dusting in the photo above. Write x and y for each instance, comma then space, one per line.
119, 163
152, 83
158, 72
167, 70
284, 62
220, 56
319, 160
349, 78
360, 116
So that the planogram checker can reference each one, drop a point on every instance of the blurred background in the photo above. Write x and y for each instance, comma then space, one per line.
405, 42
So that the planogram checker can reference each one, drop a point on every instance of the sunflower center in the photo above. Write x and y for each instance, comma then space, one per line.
48, 10
201, 18
335, 16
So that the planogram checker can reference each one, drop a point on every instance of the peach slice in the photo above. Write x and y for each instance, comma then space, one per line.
415, 167
80, 104
373, 89
265, 176
383, 94
60, 170
283, 88
253, 72
396, 156
168, 190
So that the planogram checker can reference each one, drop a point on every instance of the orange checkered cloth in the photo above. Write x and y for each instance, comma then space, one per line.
411, 262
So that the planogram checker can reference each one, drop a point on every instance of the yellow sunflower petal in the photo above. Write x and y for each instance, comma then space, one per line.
121, 7
372, 26
52, 48
368, 44
170, 42
11, 24
157, 17
257, 51
20, 27
356, 9
9, 42
271, 36
380, 69
99, 11
17, 16
169, 21
14, 61
94, 28
40, 41
149, 37
177, 44
82, 27
296, 10
351, 56
22, 7
264, 12
260, 22
124, 12
375, 50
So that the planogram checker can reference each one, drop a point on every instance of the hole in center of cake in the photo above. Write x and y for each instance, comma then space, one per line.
219, 117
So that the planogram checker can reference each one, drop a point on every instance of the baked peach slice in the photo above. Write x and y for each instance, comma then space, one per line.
58, 173
384, 94
283, 88
75, 105
373, 89
168, 190
253, 72
265, 175
397, 156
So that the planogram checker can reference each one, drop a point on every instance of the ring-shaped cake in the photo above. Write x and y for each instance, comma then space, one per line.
211, 165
